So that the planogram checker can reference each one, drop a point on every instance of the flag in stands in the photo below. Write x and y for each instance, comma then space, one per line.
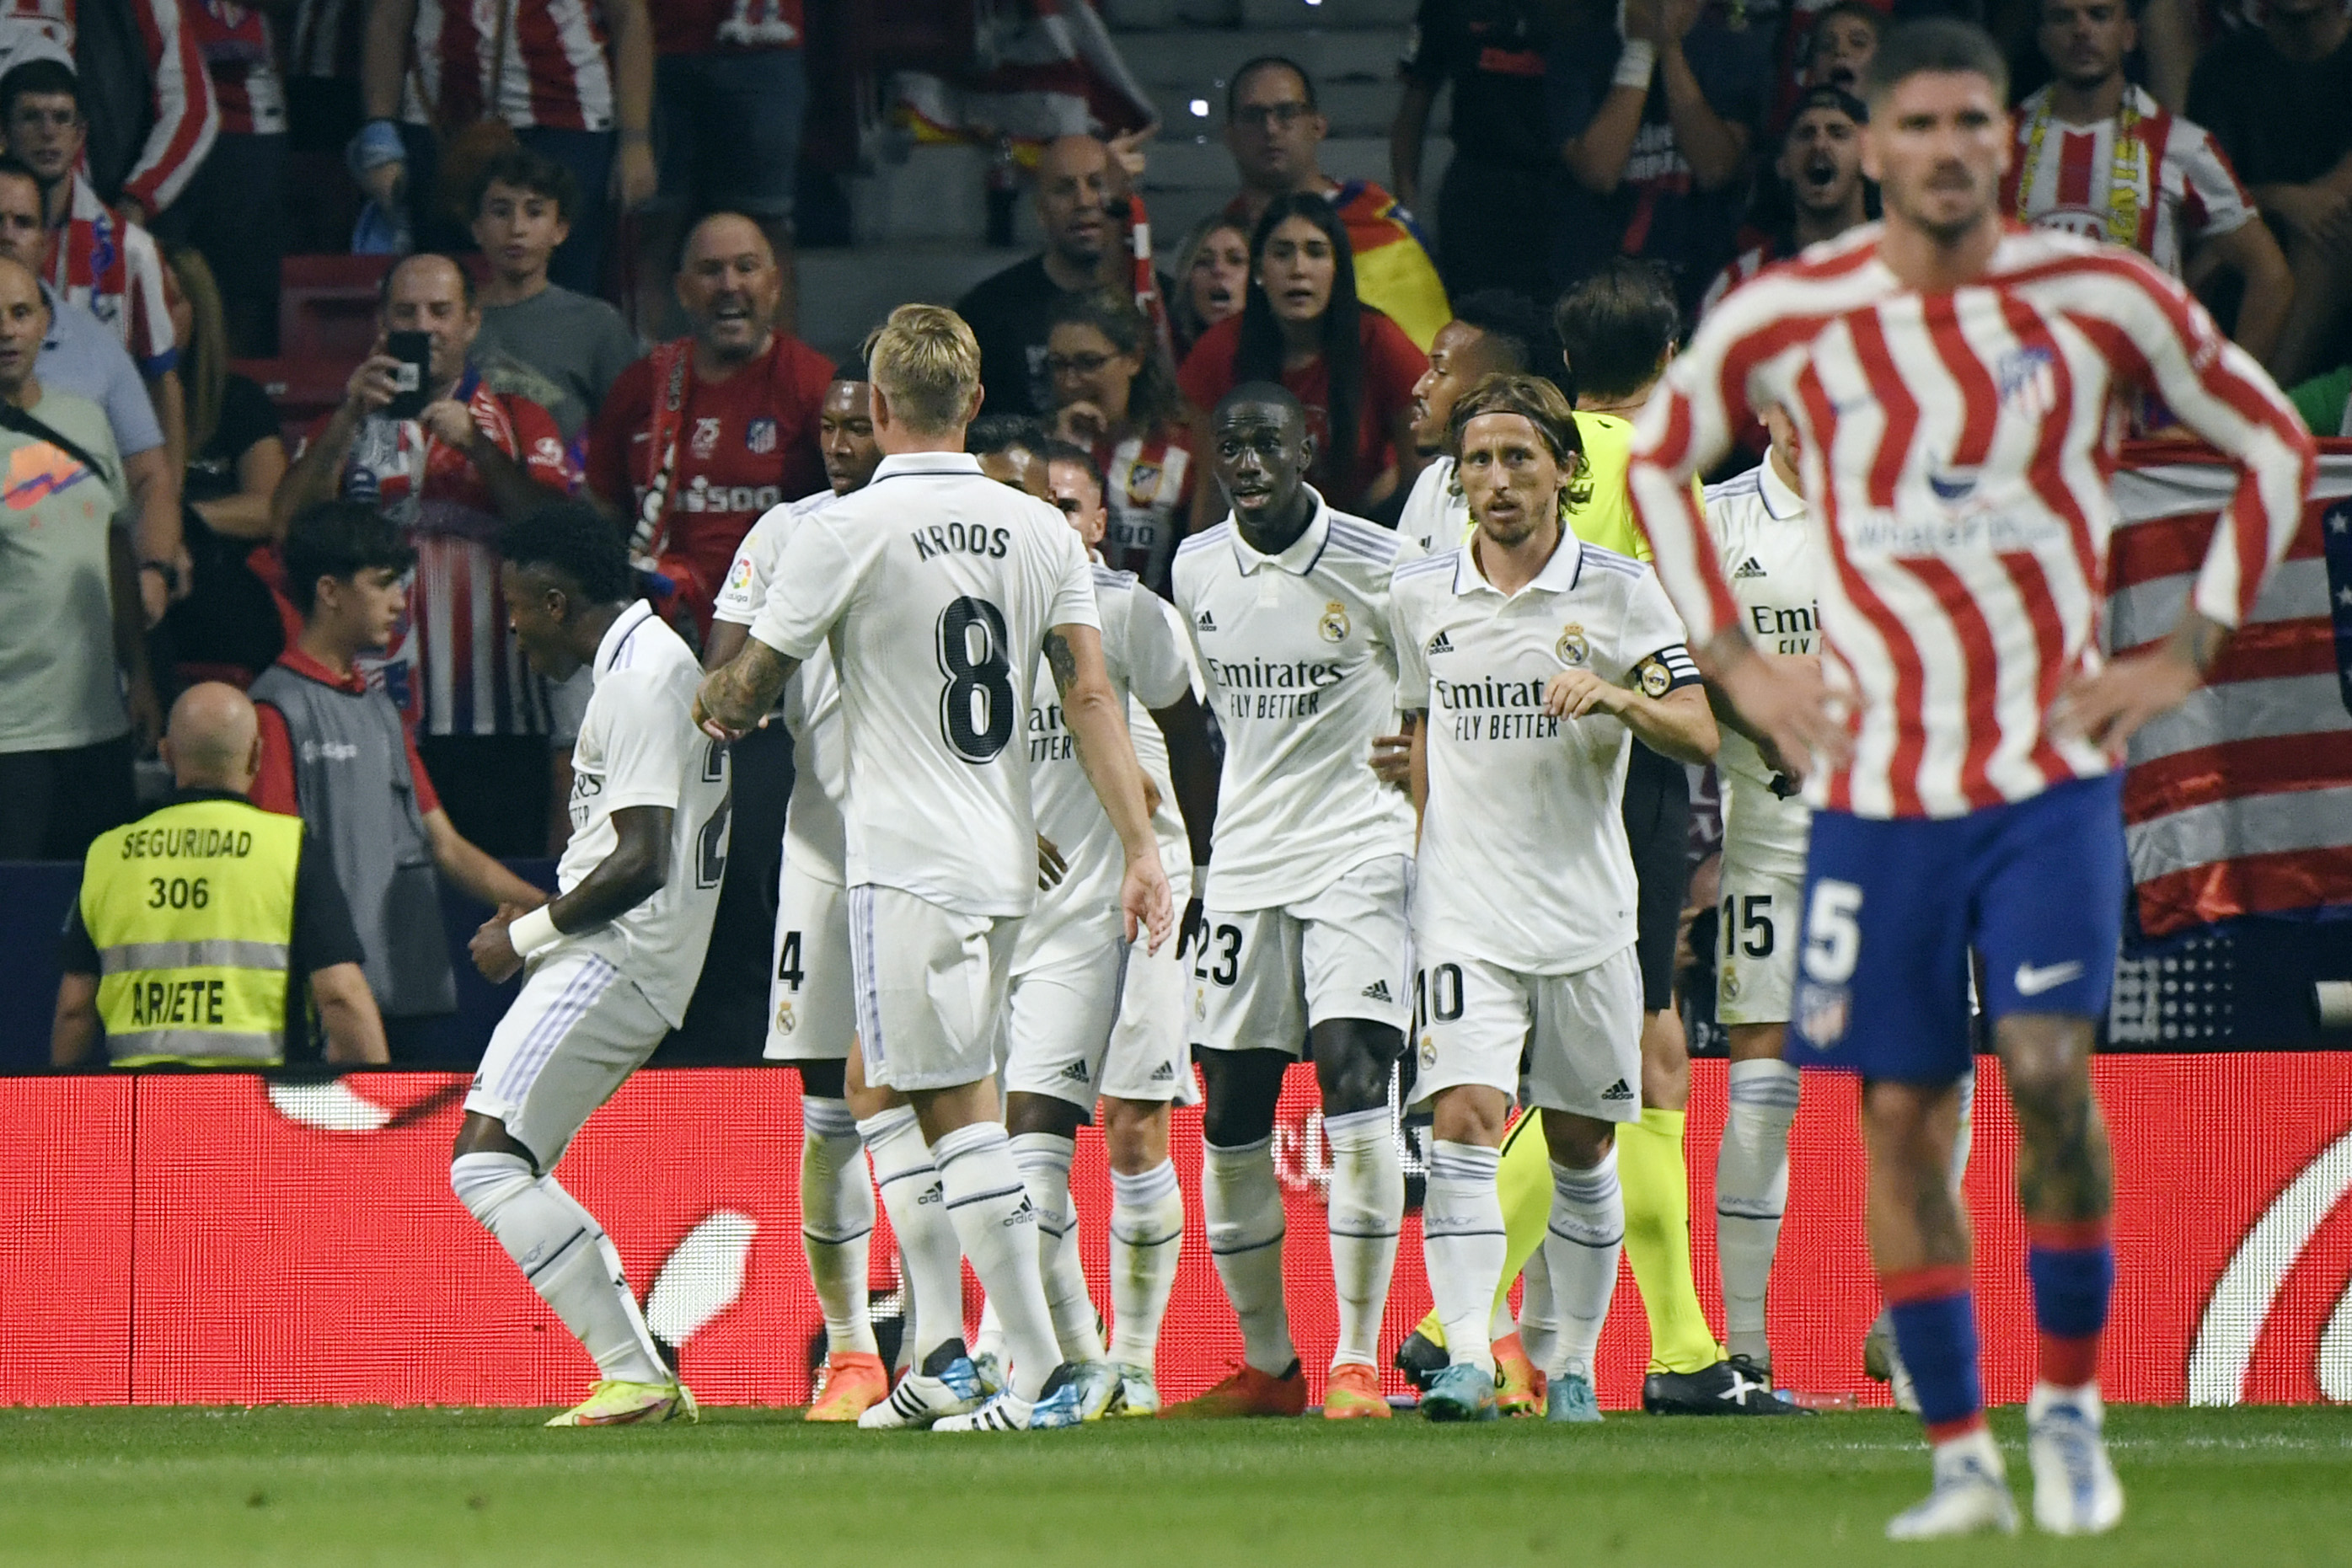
2240, 801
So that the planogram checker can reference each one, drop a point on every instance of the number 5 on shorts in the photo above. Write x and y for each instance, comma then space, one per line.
1832, 936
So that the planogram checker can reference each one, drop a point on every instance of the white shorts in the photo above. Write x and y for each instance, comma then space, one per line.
578, 1028
930, 988
1148, 1058
1108, 1022
1756, 954
810, 1017
1579, 1036
1263, 978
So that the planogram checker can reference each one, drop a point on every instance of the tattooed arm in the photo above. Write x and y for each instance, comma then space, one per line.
737, 695
1091, 708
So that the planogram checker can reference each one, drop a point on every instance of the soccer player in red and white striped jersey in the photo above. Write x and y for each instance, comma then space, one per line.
2098, 156
1957, 384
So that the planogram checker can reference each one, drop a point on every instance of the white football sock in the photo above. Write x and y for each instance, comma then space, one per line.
928, 1248
988, 1334
997, 1224
1462, 1237
1043, 1161
1967, 1134
1241, 1204
1538, 1314
836, 1219
1586, 1233
1147, 1238
567, 1258
1367, 1207
1751, 1190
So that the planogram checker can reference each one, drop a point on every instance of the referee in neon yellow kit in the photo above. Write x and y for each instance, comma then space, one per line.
192, 921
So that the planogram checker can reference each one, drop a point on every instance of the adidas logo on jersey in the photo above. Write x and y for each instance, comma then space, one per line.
1749, 568
1076, 1072
1378, 991
1617, 1093
1205, 622
1164, 1073
1441, 643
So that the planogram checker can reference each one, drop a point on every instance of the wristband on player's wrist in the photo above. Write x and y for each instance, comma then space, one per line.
1200, 881
533, 934
1634, 66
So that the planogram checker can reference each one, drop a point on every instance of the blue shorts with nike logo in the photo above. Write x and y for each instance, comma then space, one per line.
1892, 906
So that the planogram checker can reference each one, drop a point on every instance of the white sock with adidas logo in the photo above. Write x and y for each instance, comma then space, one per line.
1043, 1161
997, 1226
1147, 1237
1367, 1207
1462, 1234
912, 1196
1582, 1243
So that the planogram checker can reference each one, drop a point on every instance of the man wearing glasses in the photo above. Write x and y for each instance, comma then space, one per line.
1274, 130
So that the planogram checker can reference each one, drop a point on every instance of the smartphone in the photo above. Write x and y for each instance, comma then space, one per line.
414, 353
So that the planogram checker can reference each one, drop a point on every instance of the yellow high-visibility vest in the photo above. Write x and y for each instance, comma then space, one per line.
192, 912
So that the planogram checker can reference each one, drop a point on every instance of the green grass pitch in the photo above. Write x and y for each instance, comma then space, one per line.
2259, 1488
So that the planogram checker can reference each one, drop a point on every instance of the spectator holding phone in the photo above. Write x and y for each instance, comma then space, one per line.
449, 459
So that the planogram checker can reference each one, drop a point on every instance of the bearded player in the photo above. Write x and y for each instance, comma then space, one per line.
1955, 385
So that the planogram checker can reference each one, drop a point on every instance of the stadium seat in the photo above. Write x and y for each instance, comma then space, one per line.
326, 306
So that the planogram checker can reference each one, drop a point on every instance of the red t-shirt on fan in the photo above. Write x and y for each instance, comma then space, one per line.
744, 445
1391, 366
709, 27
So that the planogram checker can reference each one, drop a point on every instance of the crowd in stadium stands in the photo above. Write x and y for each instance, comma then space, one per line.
155, 177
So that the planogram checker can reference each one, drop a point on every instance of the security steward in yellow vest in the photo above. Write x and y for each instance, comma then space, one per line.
192, 921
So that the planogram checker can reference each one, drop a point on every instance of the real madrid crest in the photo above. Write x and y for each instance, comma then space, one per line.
1656, 681
1571, 647
785, 1021
1334, 624
1428, 1052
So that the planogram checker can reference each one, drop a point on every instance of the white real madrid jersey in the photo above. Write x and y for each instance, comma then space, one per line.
638, 746
1524, 859
1302, 674
1436, 515
1144, 656
1765, 544
814, 835
935, 587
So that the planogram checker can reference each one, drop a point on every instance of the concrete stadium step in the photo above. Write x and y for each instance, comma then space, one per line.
1205, 56
1353, 108
845, 293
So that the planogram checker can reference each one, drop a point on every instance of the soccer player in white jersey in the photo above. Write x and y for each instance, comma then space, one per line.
612, 961
938, 588
1305, 941
1955, 381
811, 1022
1758, 523
2097, 156
1092, 1014
1532, 661
1495, 332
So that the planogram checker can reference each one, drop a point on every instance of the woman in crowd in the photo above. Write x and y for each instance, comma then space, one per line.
1114, 394
1301, 325
1212, 275
227, 627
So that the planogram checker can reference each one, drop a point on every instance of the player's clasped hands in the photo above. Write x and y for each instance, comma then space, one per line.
1573, 693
